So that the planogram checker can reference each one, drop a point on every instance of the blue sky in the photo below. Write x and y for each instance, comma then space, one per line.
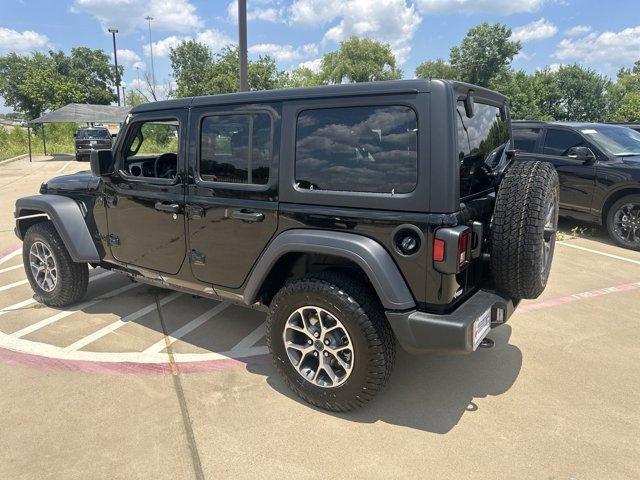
603, 35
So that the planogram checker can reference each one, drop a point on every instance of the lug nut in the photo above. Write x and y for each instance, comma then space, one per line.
317, 334
309, 342
326, 354
315, 354
326, 342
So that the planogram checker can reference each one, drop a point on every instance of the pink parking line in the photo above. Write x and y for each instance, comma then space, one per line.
554, 302
11, 357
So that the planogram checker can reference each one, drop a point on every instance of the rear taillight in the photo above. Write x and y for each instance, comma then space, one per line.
438, 250
464, 249
452, 249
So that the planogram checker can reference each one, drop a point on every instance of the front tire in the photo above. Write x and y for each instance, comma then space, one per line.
623, 222
55, 278
330, 341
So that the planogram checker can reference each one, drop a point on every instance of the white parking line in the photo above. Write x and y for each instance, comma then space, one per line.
11, 255
185, 329
29, 301
65, 313
13, 285
63, 167
8, 269
119, 323
248, 341
610, 255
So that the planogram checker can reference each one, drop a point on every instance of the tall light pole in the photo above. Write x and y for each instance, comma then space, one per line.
242, 43
113, 32
148, 18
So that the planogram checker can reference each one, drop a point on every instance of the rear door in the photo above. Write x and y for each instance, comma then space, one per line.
232, 198
577, 177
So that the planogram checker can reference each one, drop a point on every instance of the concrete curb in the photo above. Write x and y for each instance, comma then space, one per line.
9, 160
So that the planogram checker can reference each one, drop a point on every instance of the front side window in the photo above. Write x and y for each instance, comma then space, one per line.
371, 149
151, 149
559, 142
482, 140
236, 148
619, 141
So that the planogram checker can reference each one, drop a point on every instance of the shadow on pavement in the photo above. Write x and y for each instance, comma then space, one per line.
430, 392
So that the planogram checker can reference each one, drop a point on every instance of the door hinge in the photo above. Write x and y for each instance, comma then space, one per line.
112, 240
194, 212
198, 258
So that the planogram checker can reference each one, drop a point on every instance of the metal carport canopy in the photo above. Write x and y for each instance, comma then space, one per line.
79, 113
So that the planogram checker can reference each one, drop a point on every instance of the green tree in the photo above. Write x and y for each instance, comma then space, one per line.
300, 77
32, 84
485, 51
360, 60
192, 64
437, 69
583, 94
624, 95
135, 98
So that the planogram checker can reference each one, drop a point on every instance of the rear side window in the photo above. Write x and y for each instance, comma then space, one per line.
236, 148
370, 149
559, 142
525, 138
481, 144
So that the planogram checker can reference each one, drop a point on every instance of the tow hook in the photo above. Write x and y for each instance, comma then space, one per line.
487, 343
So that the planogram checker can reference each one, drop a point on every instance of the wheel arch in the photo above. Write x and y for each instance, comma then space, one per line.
354, 251
67, 218
613, 198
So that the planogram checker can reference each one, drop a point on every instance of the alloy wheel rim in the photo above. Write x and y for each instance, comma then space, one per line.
318, 346
550, 233
43, 266
626, 223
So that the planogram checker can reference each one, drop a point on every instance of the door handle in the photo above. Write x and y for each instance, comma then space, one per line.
168, 207
247, 216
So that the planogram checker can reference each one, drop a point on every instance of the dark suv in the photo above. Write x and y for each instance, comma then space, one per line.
91, 138
356, 215
599, 168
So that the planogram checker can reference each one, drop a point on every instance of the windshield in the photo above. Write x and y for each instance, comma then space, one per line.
94, 133
619, 141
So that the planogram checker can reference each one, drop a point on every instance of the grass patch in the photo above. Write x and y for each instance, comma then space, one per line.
14, 141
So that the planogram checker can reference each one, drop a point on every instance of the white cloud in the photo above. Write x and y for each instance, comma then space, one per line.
212, 38
392, 21
578, 30
602, 48
498, 7
269, 14
313, 65
536, 30
128, 15
284, 53
127, 57
21, 42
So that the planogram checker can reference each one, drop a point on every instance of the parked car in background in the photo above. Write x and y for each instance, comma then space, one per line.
91, 138
599, 169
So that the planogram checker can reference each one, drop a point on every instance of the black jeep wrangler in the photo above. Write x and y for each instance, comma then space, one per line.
356, 215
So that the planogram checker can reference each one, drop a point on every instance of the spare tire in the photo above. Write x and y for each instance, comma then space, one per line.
523, 229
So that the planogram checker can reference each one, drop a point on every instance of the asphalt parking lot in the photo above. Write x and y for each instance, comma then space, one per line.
139, 382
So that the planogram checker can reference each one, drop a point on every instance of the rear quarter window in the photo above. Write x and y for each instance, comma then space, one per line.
357, 149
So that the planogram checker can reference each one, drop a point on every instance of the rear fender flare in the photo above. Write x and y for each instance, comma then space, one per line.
372, 257
68, 219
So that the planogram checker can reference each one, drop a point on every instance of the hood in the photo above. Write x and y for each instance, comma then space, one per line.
76, 182
633, 161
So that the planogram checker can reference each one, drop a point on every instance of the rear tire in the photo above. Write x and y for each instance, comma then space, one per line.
55, 278
623, 222
353, 324
523, 229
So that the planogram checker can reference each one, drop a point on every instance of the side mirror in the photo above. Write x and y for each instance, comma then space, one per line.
101, 163
581, 153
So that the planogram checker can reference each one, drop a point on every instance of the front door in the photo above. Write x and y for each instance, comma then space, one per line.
232, 203
145, 197
577, 177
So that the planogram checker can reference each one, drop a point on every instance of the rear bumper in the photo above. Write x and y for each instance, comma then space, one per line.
420, 332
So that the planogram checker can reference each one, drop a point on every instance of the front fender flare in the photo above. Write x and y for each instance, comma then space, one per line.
68, 219
374, 260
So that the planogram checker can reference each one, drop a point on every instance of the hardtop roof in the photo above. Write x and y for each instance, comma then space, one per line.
324, 91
